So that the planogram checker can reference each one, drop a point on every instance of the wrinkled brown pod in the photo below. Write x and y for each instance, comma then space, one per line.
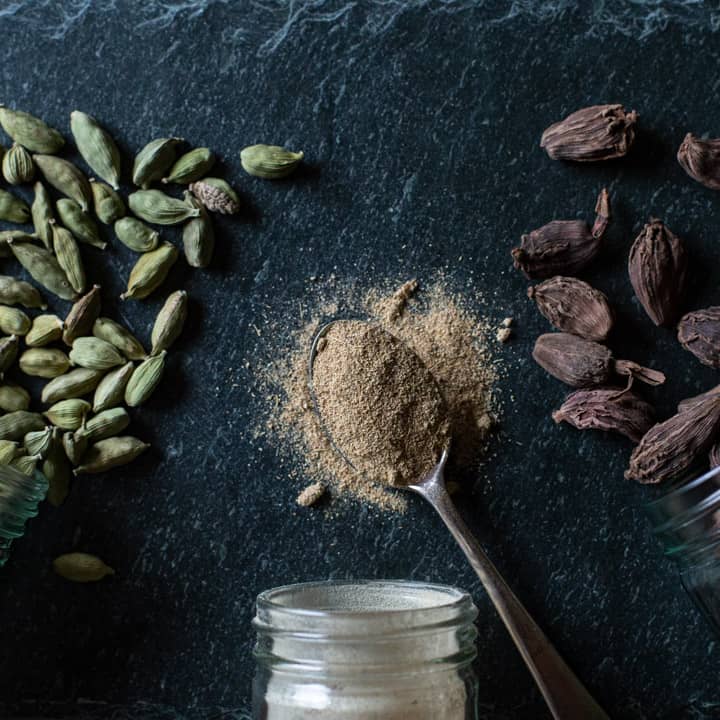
701, 160
699, 332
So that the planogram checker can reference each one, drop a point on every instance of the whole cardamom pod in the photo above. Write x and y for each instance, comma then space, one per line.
16, 425
658, 270
584, 363
95, 354
111, 391
74, 446
608, 408
39, 442
44, 268
9, 450
31, 132
68, 256
79, 223
145, 379
271, 162
110, 453
68, 414
82, 315
66, 179
44, 362
13, 397
562, 247
56, 469
169, 321
573, 306
701, 160
119, 336
96, 146
198, 236
13, 321
45, 329
153, 161
17, 165
76, 383
154, 206
216, 195
687, 403
150, 271
109, 206
19, 292
699, 332
81, 567
671, 448
13, 209
8, 352
25, 464
42, 214
6, 236
191, 166
599, 132
136, 235
105, 424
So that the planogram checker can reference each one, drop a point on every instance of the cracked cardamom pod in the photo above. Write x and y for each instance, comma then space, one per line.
96, 146
216, 195
599, 132
154, 206
19, 292
271, 162
109, 206
74, 446
105, 424
14, 321
9, 450
701, 160
68, 256
44, 362
111, 391
17, 165
136, 235
42, 214
39, 442
671, 448
150, 271
198, 236
610, 409
82, 315
66, 179
31, 132
191, 166
699, 332
13, 209
145, 379
562, 247
573, 306
44, 268
81, 567
169, 321
95, 354
658, 267
16, 425
110, 453
13, 397
584, 363
119, 336
79, 223
8, 352
68, 414
76, 383
153, 161
45, 329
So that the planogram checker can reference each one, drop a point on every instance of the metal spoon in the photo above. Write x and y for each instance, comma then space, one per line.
563, 692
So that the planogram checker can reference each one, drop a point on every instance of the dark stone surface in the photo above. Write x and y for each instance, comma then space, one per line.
421, 129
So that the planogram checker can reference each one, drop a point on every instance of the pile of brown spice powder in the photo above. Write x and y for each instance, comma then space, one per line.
454, 344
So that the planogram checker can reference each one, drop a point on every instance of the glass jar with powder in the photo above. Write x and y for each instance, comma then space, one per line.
365, 650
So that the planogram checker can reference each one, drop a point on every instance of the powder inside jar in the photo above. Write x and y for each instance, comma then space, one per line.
379, 403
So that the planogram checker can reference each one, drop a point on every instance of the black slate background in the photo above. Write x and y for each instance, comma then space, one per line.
421, 126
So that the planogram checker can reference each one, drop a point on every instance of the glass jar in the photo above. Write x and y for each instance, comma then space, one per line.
367, 650
687, 519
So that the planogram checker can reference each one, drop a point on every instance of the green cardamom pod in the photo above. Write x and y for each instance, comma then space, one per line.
30, 131
14, 321
216, 195
44, 362
57, 470
17, 165
169, 321
111, 390
152, 162
66, 179
114, 333
16, 425
150, 271
191, 166
73, 384
13, 397
109, 206
68, 256
44, 268
45, 329
82, 315
96, 146
42, 214
74, 446
68, 414
13, 209
270, 162
79, 223
95, 354
81, 567
154, 206
39, 442
109, 453
145, 379
198, 236
105, 424
6, 236
9, 450
19, 292
8, 352
25, 464
136, 235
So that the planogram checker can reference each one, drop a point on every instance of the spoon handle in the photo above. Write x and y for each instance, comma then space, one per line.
565, 695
